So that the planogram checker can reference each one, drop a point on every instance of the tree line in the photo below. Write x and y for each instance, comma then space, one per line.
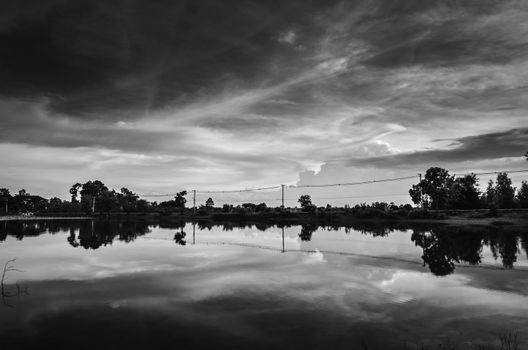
441, 190
92, 196
438, 190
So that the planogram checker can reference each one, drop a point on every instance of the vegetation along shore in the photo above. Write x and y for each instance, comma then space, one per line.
438, 196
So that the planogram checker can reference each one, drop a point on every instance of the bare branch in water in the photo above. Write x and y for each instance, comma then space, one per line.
3, 291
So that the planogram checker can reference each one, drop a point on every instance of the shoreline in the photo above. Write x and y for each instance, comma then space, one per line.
33, 218
462, 218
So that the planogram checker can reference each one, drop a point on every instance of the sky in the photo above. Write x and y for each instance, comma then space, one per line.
160, 96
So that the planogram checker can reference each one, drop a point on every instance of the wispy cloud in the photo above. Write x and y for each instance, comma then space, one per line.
508, 144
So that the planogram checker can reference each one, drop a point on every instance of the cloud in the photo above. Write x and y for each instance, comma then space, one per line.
207, 92
440, 33
289, 37
510, 143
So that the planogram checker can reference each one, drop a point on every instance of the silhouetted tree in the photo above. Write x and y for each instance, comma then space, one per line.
74, 191
143, 205
128, 200
209, 204
179, 200
489, 196
4, 199
306, 203
433, 190
261, 207
55, 204
93, 188
107, 201
504, 192
464, 193
25, 202
522, 195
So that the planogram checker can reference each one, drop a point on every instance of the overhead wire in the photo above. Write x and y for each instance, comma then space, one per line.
276, 187
355, 183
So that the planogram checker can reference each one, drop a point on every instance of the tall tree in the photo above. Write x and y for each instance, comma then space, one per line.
4, 193
95, 196
306, 203
464, 193
504, 192
74, 191
54, 204
433, 190
128, 200
93, 188
180, 200
4, 199
489, 196
522, 195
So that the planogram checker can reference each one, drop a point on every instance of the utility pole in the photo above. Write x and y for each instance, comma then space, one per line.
282, 188
421, 194
283, 239
194, 233
194, 202
93, 205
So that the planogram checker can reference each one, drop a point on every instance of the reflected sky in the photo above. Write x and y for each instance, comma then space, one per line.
247, 287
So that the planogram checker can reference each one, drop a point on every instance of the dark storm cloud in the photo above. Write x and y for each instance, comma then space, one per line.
96, 55
439, 33
511, 143
135, 55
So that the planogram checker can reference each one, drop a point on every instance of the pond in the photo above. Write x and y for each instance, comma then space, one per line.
88, 284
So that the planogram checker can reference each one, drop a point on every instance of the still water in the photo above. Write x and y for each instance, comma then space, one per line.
87, 284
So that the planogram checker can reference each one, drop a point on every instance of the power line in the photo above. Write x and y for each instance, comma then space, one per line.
159, 195
494, 172
331, 184
290, 186
244, 190
219, 191
315, 198
352, 197
355, 183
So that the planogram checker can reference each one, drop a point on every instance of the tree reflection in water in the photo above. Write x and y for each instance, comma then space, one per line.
307, 231
96, 233
179, 237
443, 246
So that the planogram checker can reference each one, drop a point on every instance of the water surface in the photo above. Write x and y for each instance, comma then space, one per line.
134, 284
